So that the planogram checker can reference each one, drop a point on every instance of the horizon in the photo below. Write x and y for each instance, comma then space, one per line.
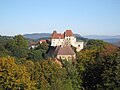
88, 17
61, 32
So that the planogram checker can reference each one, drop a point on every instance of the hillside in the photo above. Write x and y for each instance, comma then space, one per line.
110, 39
36, 36
102, 37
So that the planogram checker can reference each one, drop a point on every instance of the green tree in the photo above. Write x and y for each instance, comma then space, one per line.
73, 75
18, 46
111, 73
35, 55
3, 51
43, 46
101, 66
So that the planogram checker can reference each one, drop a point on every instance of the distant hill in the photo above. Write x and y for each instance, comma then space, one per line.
4, 39
101, 37
110, 39
36, 36
118, 43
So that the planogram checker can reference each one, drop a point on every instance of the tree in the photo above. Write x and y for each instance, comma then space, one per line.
35, 55
49, 75
3, 51
43, 46
111, 73
13, 76
101, 66
18, 46
73, 75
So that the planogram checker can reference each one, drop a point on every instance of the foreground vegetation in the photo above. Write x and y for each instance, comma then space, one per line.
97, 67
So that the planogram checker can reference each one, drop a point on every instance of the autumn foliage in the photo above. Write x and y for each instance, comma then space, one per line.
97, 67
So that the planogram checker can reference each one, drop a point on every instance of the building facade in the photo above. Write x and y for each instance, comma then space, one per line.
67, 38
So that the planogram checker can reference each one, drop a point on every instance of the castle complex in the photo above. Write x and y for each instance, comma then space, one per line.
67, 38
61, 46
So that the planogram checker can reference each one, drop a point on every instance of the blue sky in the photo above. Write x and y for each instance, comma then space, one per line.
85, 17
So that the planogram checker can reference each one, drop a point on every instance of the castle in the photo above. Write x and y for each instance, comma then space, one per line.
62, 45
67, 38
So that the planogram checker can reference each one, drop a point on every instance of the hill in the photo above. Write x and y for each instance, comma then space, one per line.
110, 39
36, 36
101, 37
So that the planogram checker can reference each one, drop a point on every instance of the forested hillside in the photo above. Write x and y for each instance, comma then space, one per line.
97, 67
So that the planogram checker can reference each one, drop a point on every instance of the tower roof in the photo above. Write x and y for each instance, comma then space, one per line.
57, 36
69, 33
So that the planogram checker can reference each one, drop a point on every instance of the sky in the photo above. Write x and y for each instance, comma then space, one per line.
85, 17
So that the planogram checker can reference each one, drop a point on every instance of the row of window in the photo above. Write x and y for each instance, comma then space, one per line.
59, 39
63, 39
58, 42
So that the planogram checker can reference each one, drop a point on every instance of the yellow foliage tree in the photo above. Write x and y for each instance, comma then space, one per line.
13, 76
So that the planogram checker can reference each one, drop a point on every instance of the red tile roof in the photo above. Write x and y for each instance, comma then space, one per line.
41, 41
33, 43
58, 36
68, 33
